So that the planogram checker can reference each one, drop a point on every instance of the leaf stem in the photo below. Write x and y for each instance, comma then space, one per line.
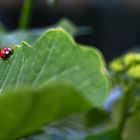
25, 14
125, 107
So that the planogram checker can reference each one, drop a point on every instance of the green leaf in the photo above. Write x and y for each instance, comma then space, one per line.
56, 57
24, 111
67, 25
98, 53
96, 117
109, 134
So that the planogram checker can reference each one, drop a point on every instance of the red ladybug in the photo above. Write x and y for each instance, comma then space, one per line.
5, 53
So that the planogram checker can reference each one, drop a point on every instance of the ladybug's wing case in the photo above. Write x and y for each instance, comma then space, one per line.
2, 54
5, 53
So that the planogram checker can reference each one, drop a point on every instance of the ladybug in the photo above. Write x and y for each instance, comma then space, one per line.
5, 53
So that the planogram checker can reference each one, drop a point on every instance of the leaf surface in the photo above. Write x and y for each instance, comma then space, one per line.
24, 111
109, 134
54, 58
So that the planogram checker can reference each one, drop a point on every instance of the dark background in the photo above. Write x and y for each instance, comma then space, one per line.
115, 24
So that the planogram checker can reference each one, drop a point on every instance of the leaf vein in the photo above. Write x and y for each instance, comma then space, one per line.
46, 62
